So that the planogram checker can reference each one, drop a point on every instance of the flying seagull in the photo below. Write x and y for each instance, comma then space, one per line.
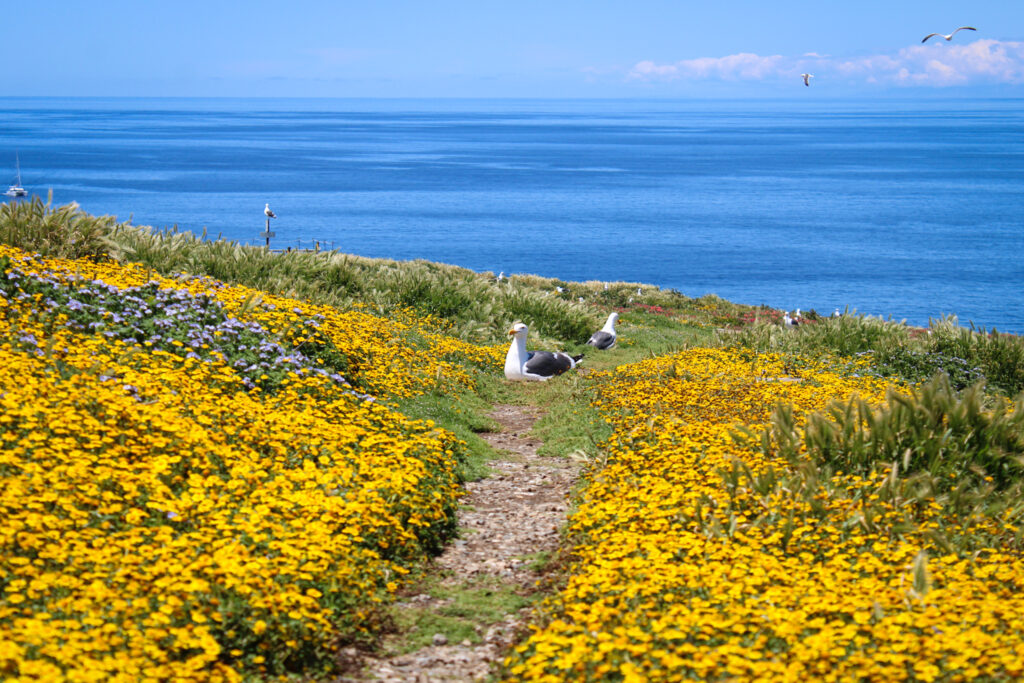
950, 36
605, 337
267, 212
807, 78
539, 366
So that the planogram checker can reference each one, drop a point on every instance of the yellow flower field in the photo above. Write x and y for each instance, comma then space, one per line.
694, 561
165, 521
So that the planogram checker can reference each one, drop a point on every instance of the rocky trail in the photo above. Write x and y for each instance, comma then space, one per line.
507, 522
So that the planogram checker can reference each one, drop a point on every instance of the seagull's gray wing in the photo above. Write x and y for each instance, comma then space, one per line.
547, 364
601, 340
930, 35
966, 28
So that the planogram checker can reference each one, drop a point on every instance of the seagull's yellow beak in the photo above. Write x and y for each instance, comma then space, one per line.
511, 332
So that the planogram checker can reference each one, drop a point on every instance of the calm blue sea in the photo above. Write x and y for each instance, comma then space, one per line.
909, 209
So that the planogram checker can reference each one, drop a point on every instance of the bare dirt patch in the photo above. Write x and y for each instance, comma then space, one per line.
483, 580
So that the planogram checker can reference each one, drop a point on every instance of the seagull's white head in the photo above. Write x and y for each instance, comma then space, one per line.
519, 330
613, 317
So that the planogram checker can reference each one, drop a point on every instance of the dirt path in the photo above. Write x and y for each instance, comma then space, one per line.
506, 521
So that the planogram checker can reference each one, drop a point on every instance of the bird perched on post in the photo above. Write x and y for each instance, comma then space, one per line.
267, 212
539, 366
950, 36
605, 337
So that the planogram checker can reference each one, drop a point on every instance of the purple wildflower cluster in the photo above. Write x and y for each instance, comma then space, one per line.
175, 320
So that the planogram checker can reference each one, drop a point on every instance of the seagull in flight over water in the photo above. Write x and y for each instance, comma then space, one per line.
267, 212
950, 36
807, 78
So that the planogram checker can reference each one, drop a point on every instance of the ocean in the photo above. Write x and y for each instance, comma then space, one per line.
909, 209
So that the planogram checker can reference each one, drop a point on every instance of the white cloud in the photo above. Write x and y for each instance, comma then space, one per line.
743, 66
938, 64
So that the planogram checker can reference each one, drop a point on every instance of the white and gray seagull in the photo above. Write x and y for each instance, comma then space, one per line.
538, 366
605, 337
807, 78
950, 36
267, 212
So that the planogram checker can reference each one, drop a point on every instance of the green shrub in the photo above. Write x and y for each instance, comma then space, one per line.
917, 366
1000, 357
965, 355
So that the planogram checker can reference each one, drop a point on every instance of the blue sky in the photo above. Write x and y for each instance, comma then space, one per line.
441, 48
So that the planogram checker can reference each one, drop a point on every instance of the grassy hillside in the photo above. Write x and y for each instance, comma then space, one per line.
218, 462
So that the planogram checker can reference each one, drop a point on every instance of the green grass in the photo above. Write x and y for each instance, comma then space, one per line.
569, 424
466, 416
539, 561
66, 232
469, 605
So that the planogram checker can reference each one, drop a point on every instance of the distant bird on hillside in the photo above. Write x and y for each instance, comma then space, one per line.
539, 366
267, 212
807, 78
788, 321
950, 36
605, 337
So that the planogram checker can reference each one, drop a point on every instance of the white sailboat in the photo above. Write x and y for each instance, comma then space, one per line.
16, 190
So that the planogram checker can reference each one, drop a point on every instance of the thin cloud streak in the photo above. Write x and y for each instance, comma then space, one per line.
982, 62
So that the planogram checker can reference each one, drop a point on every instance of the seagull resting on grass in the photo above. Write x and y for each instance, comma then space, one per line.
605, 337
538, 366
950, 36
267, 212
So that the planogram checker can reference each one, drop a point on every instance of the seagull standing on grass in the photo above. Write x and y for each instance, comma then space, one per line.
807, 78
538, 366
267, 212
950, 36
605, 337
789, 322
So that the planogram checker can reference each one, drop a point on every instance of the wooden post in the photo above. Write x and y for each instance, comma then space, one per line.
268, 234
